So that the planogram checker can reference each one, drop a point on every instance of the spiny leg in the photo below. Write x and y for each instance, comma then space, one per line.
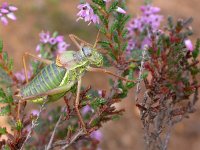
77, 104
76, 41
107, 72
46, 61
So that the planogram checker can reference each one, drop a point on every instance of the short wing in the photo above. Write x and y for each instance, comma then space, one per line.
68, 59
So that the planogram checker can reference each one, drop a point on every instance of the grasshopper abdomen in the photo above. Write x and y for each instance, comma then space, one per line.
49, 78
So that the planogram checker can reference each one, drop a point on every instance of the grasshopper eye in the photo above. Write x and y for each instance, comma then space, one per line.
87, 51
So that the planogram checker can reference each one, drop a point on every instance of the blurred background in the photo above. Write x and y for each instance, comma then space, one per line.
60, 15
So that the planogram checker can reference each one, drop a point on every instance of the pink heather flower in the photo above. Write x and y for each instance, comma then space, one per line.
55, 43
87, 14
21, 75
4, 20
6, 11
11, 16
120, 10
97, 135
12, 8
100, 92
44, 37
189, 45
4, 5
137, 26
148, 9
35, 112
62, 46
60, 38
86, 110
38, 47
52, 41
106, 1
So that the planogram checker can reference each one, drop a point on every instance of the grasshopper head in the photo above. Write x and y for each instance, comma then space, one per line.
93, 56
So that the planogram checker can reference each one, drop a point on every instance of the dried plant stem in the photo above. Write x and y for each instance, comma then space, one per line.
53, 134
74, 138
34, 123
141, 68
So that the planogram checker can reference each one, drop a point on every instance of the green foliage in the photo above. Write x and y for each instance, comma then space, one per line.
6, 67
116, 117
137, 54
100, 3
1, 46
113, 6
6, 147
2, 131
5, 98
18, 125
5, 110
5, 78
97, 102
195, 53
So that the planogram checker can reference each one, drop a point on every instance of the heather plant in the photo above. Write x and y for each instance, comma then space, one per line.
138, 49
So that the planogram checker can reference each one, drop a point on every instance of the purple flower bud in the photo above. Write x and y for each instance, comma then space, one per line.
120, 10
189, 45
97, 135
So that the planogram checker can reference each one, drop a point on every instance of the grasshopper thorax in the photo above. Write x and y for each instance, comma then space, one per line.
85, 56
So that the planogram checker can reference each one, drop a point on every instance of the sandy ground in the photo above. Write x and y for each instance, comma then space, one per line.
127, 134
